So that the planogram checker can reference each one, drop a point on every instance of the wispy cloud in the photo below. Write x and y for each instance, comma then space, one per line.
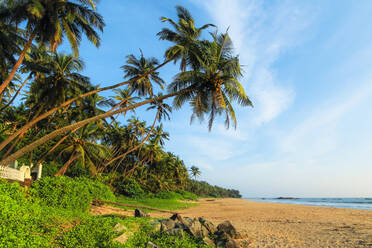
260, 34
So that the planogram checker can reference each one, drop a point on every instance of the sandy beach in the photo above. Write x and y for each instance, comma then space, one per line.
283, 225
288, 225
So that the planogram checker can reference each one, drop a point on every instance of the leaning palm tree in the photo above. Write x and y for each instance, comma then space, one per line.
183, 44
48, 22
195, 172
185, 37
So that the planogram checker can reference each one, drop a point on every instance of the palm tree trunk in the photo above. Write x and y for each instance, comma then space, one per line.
64, 168
16, 94
67, 103
12, 146
17, 65
54, 147
79, 124
137, 146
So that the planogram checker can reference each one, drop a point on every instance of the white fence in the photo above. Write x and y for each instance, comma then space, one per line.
14, 174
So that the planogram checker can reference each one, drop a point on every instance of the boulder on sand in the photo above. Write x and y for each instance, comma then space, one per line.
139, 213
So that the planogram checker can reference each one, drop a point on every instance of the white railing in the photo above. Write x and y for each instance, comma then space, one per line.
12, 174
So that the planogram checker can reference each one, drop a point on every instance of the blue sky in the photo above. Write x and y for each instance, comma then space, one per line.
308, 71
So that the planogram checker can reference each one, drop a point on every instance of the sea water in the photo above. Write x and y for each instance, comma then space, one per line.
356, 203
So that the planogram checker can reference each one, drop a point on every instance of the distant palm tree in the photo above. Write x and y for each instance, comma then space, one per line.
195, 172
48, 22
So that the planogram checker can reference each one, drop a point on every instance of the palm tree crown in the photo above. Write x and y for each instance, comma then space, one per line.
185, 37
212, 89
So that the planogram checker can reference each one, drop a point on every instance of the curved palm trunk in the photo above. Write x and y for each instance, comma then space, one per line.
16, 94
17, 65
79, 124
67, 103
136, 147
55, 146
64, 168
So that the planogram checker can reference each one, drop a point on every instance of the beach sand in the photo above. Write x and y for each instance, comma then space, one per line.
282, 225
288, 225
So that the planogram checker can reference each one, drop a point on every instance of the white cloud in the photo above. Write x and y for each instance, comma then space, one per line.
319, 129
260, 35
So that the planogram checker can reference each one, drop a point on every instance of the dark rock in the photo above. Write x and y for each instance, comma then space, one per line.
167, 224
208, 225
177, 217
197, 230
187, 221
140, 213
151, 245
228, 229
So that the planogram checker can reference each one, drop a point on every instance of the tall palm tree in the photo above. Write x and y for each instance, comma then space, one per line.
48, 21
214, 87
185, 37
62, 82
195, 172
210, 90
178, 44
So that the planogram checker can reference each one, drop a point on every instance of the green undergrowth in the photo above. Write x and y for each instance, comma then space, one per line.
53, 213
163, 200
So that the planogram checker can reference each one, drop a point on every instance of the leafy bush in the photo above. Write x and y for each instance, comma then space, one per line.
63, 192
128, 187
72, 194
187, 195
21, 220
94, 232
97, 189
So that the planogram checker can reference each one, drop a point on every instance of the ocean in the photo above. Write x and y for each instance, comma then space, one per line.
355, 203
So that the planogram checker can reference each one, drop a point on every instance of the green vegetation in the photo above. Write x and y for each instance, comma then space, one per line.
60, 120
42, 222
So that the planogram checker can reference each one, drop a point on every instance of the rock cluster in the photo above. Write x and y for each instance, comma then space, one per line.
224, 235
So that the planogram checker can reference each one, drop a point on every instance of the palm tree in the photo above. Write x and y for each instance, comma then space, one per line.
135, 67
185, 37
162, 112
211, 89
214, 87
195, 172
158, 135
179, 43
48, 22
81, 147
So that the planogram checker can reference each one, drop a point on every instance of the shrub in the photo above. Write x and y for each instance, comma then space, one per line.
72, 194
91, 233
97, 189
128, 187
21, 220
187, 195
63, 192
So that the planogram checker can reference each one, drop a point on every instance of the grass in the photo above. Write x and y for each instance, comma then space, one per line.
165, 204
